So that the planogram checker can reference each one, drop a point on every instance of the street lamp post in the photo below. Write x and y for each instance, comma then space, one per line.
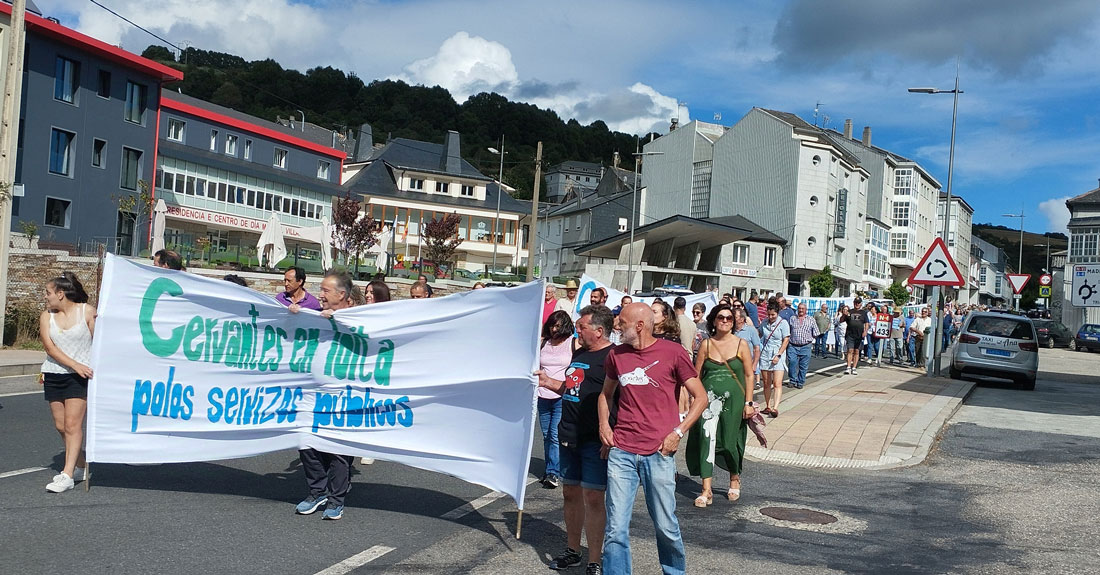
1020, 264
500, 190
934, 365
638, 154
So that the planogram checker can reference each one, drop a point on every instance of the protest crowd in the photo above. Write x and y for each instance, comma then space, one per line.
620, 391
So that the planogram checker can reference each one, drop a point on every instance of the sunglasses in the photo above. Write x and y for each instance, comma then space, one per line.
723, 318
738, 305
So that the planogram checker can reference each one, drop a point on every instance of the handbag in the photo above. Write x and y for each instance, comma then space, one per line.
756, 421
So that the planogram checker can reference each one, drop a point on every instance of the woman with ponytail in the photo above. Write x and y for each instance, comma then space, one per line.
65, 329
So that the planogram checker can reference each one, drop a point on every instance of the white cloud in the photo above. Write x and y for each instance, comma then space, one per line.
465, 65
1057, 214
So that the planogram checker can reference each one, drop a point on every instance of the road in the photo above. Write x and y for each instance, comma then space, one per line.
1010, 489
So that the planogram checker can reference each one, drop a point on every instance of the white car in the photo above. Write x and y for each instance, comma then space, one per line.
998, 345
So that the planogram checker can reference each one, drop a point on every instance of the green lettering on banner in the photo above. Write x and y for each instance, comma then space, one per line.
158, 346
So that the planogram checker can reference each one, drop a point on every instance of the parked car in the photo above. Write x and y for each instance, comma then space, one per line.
998, 345
1052, 333
1087, 338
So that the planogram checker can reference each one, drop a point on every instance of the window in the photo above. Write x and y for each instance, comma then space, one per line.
213, 140
981, 275
838, 258
414, 183
57, 212
700, 189
103, 87
61, 145
903, 181
190, 185
469, 190
135, 102
99, 150
124, 231
901, 214
280, 158
66, 80
230, 145
131, 168
741, 254
248, 149
441, 187
769, 257
251, 197
175, 130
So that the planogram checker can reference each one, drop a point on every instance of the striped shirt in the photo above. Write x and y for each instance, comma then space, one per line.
803, 330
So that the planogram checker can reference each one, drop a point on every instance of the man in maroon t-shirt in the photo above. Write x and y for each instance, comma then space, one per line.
647, 373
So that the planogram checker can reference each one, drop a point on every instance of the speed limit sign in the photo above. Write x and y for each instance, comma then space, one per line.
1045, 280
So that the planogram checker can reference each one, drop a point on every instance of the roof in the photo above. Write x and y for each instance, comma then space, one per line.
610, 189
55, 31
589, 201
377, 179
801, 125
1090, 221
758, 233
227, 116
422, 157
683, 229
574, 166
254, 169
957, 198
1089, 197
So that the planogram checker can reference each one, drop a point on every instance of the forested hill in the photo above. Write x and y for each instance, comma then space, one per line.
340, 101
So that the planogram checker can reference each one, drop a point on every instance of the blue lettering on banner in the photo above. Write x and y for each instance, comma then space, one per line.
354, 409
253, 405
161, 399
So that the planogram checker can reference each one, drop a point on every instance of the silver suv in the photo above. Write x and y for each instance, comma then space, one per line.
999, 345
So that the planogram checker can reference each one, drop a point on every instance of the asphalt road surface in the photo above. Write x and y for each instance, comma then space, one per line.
1011, 488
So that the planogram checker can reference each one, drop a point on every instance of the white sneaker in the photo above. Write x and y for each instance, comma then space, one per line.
853, 371
367, 461
847, 370
60, 484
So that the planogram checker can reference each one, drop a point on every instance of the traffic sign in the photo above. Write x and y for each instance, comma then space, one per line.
1017, 281
936, 268
1045, 280
1044, 291
1085, 286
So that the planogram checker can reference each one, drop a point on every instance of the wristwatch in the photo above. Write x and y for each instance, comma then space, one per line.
750, 404
678, 432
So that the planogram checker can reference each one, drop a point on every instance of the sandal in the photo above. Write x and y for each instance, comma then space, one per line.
704, 500
734, 494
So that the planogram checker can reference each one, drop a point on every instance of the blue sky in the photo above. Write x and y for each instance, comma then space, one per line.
1028, 131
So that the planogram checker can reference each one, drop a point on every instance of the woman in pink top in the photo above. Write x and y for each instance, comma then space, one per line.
554, 358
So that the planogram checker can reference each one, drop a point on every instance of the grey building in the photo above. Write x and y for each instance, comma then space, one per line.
87, 138
569, 180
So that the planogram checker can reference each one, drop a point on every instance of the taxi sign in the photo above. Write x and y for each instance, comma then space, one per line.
937, 268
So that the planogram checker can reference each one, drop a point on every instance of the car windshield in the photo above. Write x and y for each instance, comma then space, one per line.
1044, 324
1000, 327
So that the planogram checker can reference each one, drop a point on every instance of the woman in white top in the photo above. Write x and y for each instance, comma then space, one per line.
65, 329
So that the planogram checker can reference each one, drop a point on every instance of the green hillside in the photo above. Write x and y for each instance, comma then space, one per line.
1035, 252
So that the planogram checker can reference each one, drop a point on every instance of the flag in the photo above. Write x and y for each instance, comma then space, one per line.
405, 234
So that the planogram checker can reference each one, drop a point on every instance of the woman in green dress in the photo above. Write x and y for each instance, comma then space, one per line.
719, 435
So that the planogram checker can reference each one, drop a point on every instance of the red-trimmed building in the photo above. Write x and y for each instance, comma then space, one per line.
87, 136
223, 174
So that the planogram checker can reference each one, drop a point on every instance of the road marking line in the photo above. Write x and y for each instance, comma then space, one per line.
21, 472
357, 560
467, 508
38, 391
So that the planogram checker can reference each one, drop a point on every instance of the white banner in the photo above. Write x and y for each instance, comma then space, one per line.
588, 283
189, 368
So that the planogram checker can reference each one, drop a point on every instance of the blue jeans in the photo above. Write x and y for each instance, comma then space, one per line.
798, 363
549, 418
819, 344
912, 350
657, 475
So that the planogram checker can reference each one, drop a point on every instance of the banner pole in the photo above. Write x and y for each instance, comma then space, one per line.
519, 522
87, 476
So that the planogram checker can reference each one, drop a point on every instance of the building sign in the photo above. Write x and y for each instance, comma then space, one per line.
240, 223
742, 272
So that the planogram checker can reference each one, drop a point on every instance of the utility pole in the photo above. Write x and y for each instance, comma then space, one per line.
9, 119
534, 214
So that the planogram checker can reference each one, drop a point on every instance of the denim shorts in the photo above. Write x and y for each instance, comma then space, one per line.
582, 465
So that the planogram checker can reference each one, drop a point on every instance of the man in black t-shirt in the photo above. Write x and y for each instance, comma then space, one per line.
582, 457
854, 336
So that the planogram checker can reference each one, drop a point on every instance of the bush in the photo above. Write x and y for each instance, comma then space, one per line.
21, 325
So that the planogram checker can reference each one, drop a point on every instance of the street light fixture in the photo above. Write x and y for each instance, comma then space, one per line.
500, 190
933, 366
634, 215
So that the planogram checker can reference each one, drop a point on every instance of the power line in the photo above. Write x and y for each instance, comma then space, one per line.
135, 25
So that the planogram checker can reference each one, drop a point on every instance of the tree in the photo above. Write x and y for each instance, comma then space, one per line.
352, 234
158, 53
441, 239
138, 205
822, 283
898, 293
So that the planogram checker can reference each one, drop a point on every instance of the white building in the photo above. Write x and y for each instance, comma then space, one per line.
959, 229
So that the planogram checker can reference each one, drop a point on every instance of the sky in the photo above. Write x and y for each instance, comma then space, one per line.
1028, 127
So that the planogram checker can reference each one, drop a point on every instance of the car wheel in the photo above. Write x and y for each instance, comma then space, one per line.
1050, 343
955, 373
1027, 384
1072, 345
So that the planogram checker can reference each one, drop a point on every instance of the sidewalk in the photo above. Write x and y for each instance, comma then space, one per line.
884, 417
19, 370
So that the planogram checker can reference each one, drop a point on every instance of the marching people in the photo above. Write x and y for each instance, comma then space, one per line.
785, 310
65, 330
665, 325
643, 375
549, 301
328, 475
910, 341
294, 286
687, 326
745, 330
920, 327
568, 303
423, 280
823, 325
725, 367
625, 301
775, 336
854, 336
698, 314
583, 459
377, 292
418, 291
554, 356
840, 331
897, 326
168, 259
598, 297
751, 308
803, 333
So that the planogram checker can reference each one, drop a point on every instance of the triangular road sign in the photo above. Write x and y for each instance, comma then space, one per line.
1017, 281
937, 268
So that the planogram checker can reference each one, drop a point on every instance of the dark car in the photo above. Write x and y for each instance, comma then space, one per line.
1087, 339
1052, 333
